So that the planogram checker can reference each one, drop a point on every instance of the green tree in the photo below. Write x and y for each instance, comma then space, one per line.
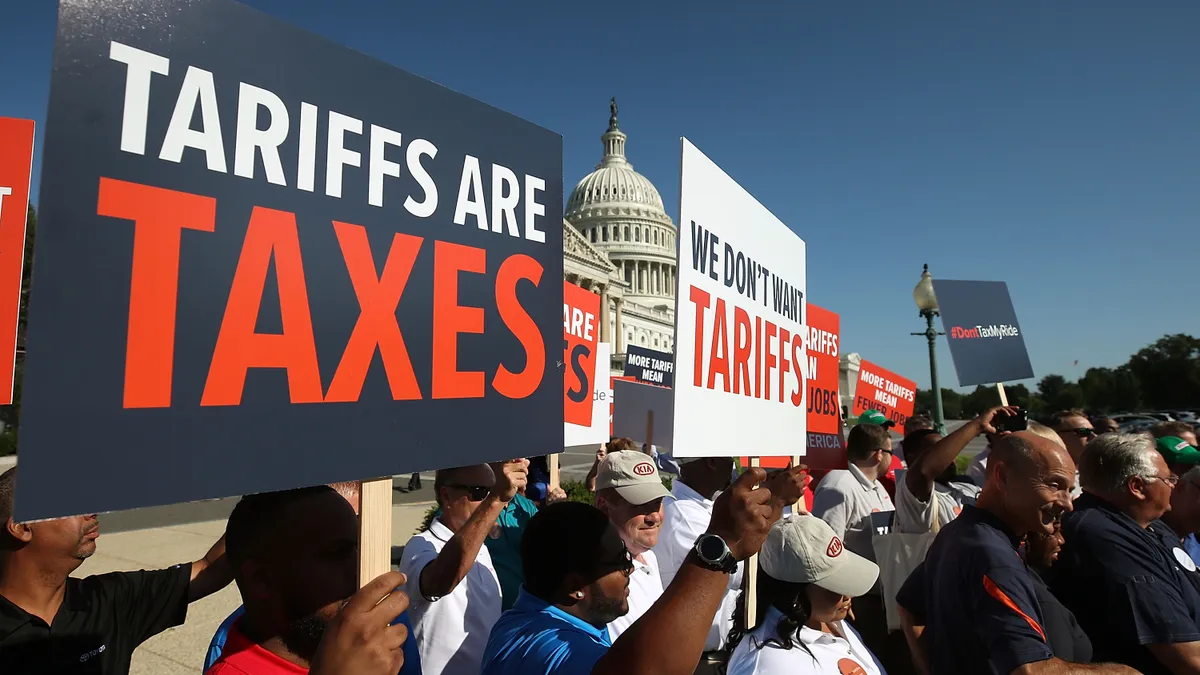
981, 399
951, 403
1058, 394
1109, 389
1168, 372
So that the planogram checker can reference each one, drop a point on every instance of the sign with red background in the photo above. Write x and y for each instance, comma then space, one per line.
882, 390
16, 161
581, 328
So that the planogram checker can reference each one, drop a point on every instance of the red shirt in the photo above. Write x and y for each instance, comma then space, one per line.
243, 657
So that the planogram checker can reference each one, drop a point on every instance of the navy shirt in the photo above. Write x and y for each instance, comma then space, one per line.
1124, 584
977, 599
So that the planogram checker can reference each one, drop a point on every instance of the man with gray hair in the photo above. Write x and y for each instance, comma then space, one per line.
1122, 570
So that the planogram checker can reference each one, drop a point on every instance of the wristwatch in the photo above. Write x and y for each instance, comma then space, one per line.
713, 553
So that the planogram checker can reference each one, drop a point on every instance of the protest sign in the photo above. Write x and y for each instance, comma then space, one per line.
581, 330
16, 163
981, 326
270, 261
599, 429
740, 335
650, 366
882, 390
643, 412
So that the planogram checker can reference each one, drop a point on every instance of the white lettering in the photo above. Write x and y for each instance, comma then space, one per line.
413, 158
338, 155
249, 137
379, 165
140, 66
307, 159
470, 184
198, 88
4, 192
505, 195
533, 209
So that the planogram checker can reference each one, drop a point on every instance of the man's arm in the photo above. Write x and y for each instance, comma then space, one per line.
210, 573
1055, 666
590, 481
918, 644
1181, 658
742, 517
440, 577
929, 465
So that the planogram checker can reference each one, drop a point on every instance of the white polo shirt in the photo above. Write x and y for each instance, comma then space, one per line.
686, 518
452, 632
827, 654
645, 587
845, 500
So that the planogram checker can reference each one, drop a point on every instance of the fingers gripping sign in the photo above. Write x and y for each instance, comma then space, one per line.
361, 639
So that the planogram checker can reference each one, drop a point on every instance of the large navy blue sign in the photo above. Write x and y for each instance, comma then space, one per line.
985, 337
267, 261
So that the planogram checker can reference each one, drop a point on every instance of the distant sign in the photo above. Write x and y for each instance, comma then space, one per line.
739, 316
650, 366
982, 329
268, 261
882, 390
824, 405
643, 413
600, 427
16, 163
581, 333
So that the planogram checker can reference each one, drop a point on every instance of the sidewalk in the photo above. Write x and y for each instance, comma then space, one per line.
181, 651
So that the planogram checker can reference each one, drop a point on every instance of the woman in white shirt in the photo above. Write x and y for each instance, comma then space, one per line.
806, 582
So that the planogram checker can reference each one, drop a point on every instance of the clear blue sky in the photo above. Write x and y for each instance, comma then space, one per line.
1055, 146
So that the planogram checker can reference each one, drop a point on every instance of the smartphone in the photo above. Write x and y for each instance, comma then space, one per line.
1016, 422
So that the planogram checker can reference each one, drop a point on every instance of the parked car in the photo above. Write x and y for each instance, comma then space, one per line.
1127, 418
1136, 425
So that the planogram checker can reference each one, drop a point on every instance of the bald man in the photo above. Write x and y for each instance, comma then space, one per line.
974, 595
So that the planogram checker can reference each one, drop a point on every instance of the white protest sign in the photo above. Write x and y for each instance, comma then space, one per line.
739, 345
576, 435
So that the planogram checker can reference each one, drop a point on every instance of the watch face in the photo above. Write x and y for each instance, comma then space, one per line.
711, 548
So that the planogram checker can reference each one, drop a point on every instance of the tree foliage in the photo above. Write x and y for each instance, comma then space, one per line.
1161, 376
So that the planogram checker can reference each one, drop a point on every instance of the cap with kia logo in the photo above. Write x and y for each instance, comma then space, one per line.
805, 550
633, 475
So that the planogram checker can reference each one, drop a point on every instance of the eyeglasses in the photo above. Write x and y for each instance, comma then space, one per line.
1171, 480
475, 493
1083, 432
620, 562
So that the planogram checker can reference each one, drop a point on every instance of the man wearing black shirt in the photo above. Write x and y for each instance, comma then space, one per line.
1122, 571
52, 624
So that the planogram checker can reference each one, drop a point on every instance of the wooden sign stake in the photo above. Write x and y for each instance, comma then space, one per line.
649, 431
375, 530
1003, 396
552, 463
752, 580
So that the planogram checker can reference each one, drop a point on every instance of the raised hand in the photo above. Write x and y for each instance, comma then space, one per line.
744, 513
361, 640
511, 477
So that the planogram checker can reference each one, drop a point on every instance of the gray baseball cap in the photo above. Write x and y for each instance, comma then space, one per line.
633, 475
804, 550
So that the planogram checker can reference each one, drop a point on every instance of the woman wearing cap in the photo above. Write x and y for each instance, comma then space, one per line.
805, 583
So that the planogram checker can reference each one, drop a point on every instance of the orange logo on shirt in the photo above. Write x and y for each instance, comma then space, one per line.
835, 548
850, 667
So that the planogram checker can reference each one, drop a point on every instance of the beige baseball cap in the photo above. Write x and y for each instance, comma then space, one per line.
633, 475
803, 549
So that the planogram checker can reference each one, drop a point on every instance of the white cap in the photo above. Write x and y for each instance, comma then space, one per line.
805, 550
633, 475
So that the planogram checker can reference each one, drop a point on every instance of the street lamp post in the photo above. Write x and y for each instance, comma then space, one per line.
927, 304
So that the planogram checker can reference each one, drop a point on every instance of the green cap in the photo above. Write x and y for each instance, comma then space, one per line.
1177, 451
875, 417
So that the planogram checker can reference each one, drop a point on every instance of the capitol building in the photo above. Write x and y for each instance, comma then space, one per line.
619, 242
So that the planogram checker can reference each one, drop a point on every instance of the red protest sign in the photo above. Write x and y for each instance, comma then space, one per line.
824, 405
882, 390
16, 160
581, 328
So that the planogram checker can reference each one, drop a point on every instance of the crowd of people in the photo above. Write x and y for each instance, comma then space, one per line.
1063, 547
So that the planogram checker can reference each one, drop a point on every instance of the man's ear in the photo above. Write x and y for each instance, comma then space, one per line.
19, 531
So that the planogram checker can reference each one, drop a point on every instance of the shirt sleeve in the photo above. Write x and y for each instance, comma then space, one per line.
673, 548
1003, 601
1155, 611
418, 553
914, 516
150, 602
830, 506
912, 595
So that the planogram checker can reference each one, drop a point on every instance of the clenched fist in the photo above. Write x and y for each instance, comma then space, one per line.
511, 478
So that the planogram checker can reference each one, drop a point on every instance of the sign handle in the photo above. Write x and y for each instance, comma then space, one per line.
375, 529
795, 463
552, 463
752, 580
1003, 396
649, 431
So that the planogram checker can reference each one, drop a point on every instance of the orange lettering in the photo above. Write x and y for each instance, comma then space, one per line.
770, 359
784, 363
519, 385
159, 217
798, 395
700, 299
741, 351
376, 325
239, 348
718, 356
450, 319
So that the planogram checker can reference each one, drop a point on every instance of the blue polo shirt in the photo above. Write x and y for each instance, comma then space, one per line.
978, 600
1124, 584
536, 637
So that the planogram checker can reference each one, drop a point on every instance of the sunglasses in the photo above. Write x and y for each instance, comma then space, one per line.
621, 562
1083, 432
475, 493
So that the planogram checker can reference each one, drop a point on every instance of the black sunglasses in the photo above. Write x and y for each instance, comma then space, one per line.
621, 562
1084, 432
475, 493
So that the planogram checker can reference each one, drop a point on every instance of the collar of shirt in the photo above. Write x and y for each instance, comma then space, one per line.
978, 515
867, 484
528, 602
683, 491
250, 657
13, 617
1089, 501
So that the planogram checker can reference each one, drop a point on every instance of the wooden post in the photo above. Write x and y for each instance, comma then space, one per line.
1003, 396
375, 530
649, 431
752, 581
552, 463
795, 463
